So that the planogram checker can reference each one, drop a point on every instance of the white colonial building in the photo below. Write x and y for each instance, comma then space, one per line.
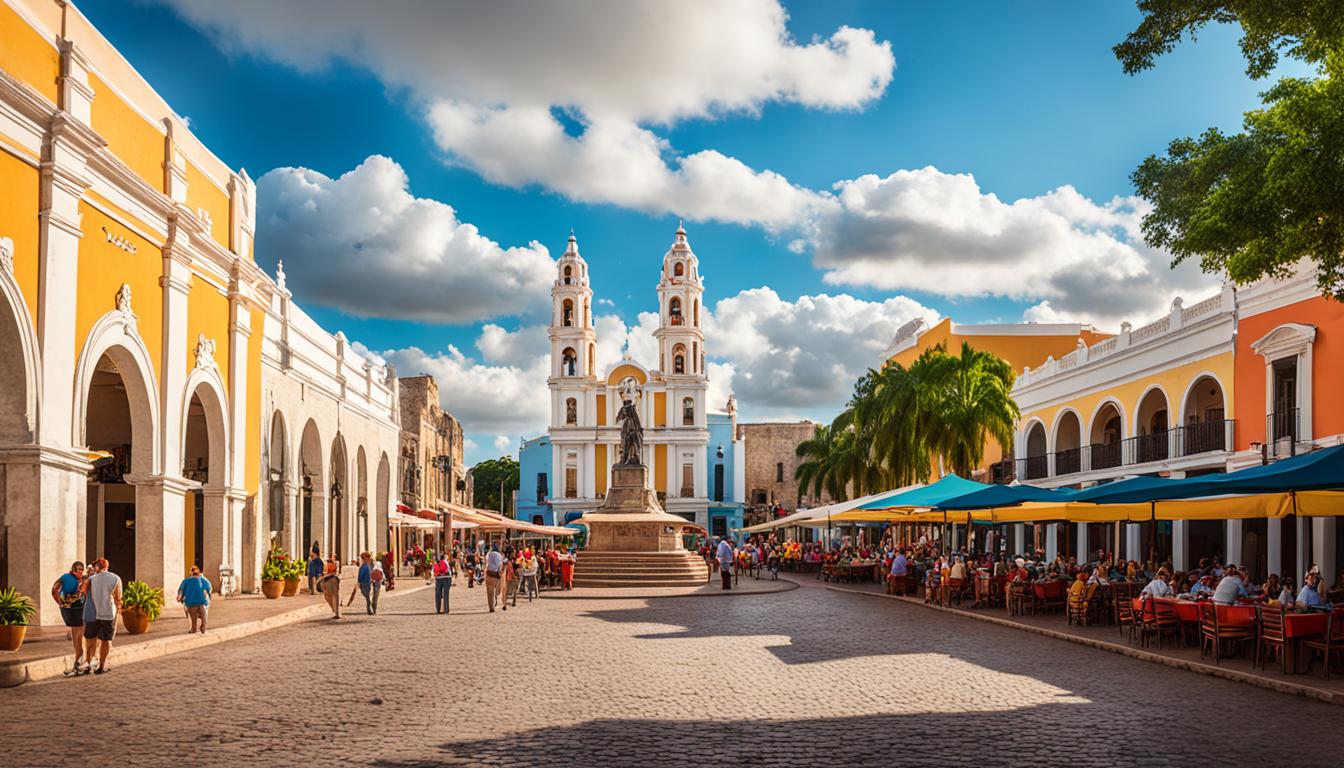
585, 438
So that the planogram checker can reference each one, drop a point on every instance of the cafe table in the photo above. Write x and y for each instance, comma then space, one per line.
1298, 627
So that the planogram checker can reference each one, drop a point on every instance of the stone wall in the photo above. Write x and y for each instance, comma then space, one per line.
429, 431
770, 456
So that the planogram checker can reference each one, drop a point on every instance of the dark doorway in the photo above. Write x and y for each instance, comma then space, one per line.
718, 482
119, 538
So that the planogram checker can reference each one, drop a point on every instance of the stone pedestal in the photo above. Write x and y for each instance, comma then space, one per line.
633, 542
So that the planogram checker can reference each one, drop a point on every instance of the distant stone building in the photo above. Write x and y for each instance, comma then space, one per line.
431, 466
771, 461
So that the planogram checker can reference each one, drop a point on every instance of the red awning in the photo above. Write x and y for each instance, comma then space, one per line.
405, 510
427, 514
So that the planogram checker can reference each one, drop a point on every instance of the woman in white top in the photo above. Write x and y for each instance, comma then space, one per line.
1158, 587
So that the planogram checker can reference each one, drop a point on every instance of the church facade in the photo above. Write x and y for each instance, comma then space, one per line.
584, 436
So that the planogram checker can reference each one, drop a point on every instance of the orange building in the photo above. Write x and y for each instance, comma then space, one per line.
1023, 345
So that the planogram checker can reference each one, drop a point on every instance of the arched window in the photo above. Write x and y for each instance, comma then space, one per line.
679, 359
568, 359
678, 269
571, 411
696, 317
568, 277
567, 313
592, 355
674, 310
688, 412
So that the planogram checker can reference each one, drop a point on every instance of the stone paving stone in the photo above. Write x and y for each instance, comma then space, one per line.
805, 677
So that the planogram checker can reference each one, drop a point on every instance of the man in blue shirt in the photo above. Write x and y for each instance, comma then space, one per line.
1230, 587
1310, 596
366, 584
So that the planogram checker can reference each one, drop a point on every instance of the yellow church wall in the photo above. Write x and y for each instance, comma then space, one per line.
253, 461
104, 266
1174, 381
20, 185
601, 410
130, 137
660, 468
660, 409
600, 468
623, 370
202, 193
27, 55
208, 313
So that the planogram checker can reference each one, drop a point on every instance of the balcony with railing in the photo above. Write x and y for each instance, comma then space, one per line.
1283, 430
1034, 467
1206, 437
1068, 461
1002, 472
1105, 455
1142, 449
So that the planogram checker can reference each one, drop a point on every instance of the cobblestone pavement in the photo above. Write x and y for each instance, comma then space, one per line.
805, 677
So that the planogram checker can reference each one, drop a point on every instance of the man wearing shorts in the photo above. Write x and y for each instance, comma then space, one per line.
103, 590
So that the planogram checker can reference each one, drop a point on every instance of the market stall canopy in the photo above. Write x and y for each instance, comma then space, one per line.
410, 521
996, 496
898, 506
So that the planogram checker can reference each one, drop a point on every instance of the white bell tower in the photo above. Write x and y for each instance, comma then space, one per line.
573, 339
681, 338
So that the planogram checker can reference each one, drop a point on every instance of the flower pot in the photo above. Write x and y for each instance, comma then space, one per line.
135, 621
291, 587
272, 588
11, 636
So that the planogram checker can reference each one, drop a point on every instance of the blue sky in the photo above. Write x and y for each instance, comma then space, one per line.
1005, 103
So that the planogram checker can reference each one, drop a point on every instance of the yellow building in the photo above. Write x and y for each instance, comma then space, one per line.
132, 322
1022, 345
1157, 399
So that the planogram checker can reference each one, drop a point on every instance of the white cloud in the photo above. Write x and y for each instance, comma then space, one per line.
929, 231
640, 60
502, 443
362, 243
615, 338
803, 356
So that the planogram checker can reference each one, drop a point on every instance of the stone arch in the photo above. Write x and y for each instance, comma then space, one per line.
1106, 434
1203, 394
114, 336
205, 459
1152, 411
1036, 446
1068, 442
338, 540
361, 505
1102, 416
382, 500
204, 385
21, 376
310, 512
275, 478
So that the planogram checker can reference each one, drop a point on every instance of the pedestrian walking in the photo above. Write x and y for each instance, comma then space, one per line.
376, 579
528, 571
567, 571
443, 581
364, 585
471, 568
389, 573
494, 567
194, 594
330, 586
103, 592
725, 558
68, 595
511, 579
313, 570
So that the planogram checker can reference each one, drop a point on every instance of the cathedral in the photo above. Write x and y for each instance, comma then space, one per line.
584, 437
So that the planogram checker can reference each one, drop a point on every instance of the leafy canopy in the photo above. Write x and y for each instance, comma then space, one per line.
486, 477
1253, 204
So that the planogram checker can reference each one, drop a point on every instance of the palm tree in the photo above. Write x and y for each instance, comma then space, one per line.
821, 466
970, 400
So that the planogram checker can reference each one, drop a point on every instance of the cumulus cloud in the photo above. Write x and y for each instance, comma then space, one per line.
789, 357
935, 232
362, 243
502, 443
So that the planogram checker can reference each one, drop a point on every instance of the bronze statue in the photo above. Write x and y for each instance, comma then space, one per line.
632, 434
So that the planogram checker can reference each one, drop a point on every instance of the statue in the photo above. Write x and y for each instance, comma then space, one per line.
632, 434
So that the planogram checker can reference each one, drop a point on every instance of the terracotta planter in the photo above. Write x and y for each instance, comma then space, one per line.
135, 621
11, 636
291, 587
272, 588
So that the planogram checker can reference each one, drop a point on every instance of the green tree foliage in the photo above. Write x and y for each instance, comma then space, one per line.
1255, 203
486, 478
900, 419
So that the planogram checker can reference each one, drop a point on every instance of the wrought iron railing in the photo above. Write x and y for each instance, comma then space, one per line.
1002, 472
1068, 461
1035, 467
1282, 425
1206, 436
1145, 448
1105, 455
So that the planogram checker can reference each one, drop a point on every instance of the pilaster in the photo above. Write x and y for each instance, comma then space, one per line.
45, 502
176, 284
160, 507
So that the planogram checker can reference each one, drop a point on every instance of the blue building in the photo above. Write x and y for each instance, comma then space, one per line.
726, 464
534, 479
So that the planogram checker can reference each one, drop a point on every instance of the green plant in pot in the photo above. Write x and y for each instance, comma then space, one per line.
15, 611
293, 570
273, 574
140, 605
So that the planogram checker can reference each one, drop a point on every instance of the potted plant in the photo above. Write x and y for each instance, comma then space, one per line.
293, 568
140, 605
273, 575
15, 611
